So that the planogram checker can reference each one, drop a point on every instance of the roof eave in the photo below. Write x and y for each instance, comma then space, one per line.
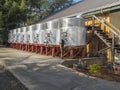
102, 10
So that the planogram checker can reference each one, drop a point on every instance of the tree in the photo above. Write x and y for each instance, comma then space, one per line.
17, 13
35, 8
12, 14
57, 5
39, 9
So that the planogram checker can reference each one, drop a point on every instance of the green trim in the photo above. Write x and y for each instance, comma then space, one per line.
117, 7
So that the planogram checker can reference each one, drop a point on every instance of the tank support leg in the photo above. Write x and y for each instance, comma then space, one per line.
41, 50
71, 53
47, 51
61, 53
83, 52
32, 48
53, 51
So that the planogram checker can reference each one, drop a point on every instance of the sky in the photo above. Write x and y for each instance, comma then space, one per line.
76, 0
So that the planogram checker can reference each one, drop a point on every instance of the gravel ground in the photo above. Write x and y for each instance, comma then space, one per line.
8, 81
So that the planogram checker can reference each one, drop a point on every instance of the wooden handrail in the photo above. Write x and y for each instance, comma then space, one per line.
111, 25
113, 31
104, 49
116, 29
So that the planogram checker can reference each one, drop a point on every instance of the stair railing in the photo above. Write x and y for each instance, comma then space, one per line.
115, 32
112, 28
104, 49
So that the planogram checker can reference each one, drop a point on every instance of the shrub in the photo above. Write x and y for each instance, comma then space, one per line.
94, 68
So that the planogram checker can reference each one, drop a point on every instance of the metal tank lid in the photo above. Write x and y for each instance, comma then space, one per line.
72, 21
52, 24
39, 25
43, 26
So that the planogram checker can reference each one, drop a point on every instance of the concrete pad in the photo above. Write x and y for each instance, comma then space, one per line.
40, 72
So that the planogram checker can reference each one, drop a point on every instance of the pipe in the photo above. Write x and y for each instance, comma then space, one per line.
101, 10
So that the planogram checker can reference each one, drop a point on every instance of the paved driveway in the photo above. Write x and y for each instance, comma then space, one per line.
39, 72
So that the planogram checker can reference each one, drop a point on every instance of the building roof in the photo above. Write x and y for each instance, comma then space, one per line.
82, 7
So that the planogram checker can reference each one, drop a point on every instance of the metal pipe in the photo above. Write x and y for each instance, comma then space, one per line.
101, 10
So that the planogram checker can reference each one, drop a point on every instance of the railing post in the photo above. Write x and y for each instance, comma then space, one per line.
93, 22
113, 45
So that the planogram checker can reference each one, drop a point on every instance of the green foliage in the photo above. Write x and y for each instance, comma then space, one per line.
13, 13
39, 9
17, 13
56, 5
1, 21
94, 69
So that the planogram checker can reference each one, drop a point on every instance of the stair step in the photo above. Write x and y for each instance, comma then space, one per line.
110, 43
109, 40
105, 36
118, 50
97, 27
117, 46
99, 31
102, 33
90, 27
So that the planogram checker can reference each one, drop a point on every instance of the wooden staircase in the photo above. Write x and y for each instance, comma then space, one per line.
109, 40
106, 39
